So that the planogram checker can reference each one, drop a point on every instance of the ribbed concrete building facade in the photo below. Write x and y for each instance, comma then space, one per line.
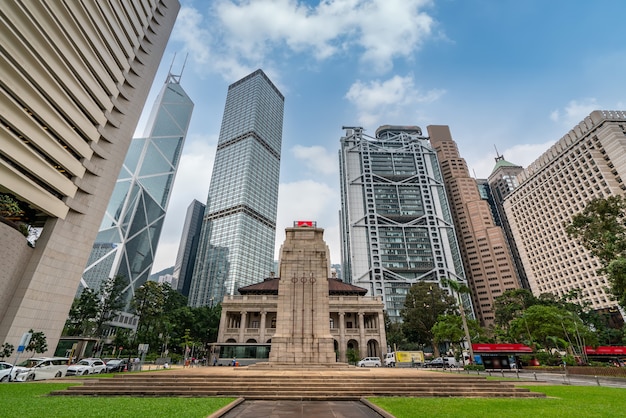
486, 257
588, 162
396, 225
75, 77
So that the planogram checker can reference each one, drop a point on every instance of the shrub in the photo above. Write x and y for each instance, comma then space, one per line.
474, 367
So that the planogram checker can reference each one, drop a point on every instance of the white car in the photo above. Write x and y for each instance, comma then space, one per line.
87, 366
41, 368
370, 362
5, 369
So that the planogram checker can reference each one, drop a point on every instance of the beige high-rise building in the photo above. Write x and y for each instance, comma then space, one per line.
588, 162
75, 77
486, 257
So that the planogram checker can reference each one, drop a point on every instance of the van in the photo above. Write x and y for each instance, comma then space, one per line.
42, 368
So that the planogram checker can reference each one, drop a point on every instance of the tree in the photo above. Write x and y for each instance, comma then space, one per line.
423, 304
510, 305
37, 342
9, 207
601, 229
6, 350
542, 323
83, 313
111, 300
459, 289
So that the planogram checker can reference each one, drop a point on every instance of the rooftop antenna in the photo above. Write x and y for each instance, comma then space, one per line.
175, 78
498, 156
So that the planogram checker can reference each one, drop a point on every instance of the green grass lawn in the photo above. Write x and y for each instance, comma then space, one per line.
28, 400
562, 401
25, 400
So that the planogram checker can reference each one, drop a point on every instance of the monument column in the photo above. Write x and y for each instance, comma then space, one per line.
302, 333
242, 326
362, 342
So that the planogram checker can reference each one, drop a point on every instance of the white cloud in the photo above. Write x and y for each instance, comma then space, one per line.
313, 201
382, 100
317, 158
241, 35
189, 29
574, 112
522, 155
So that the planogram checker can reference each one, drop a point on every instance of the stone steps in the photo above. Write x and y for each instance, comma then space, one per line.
296, 385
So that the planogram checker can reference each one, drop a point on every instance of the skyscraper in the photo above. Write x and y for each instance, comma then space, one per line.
502, 181
396, 224
188, 248
75, 77
588, 162
237, 240
130, 229
484, 249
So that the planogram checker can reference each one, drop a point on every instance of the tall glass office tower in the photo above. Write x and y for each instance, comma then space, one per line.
237, 240
396, 224
130, 230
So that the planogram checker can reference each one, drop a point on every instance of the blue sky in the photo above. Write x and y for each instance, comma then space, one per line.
516, 75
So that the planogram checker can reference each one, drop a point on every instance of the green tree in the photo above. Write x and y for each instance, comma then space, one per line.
395, 336
423, 304
510, 305
6, 350
542, 323
461, 289
111, 300
37, 342
83, 313
9, 207
601, 229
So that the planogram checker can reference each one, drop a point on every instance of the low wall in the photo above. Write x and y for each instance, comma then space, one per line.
584, 370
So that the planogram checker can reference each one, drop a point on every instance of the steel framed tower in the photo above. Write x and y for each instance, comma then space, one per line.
395, 223
130, 229
237, 240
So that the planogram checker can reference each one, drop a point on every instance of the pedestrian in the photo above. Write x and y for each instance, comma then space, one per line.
214, 360
234, 361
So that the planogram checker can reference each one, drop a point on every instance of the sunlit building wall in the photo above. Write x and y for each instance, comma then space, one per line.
588, 162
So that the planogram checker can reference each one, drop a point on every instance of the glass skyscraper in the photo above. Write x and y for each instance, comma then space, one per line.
237, 241
188, 248
130, 230
396, 224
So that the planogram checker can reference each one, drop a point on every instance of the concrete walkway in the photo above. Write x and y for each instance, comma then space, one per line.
302, 409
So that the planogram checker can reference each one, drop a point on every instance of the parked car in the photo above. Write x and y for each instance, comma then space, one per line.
441, 361
5, 370
370, 362
87, 366
116, 365
41, 368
